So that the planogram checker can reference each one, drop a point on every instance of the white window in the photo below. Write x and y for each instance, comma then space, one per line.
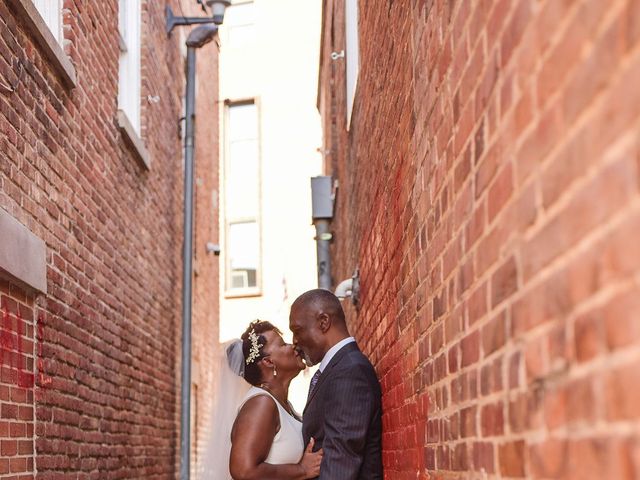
129, 74
51, 13
239, 21
353, 53
242, 200
244, 255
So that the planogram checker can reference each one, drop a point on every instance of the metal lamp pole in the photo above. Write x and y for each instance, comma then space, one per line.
198, 37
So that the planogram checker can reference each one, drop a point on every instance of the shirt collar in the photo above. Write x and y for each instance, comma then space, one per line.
332, 351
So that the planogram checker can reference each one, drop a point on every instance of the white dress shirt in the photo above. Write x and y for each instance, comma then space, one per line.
332, 351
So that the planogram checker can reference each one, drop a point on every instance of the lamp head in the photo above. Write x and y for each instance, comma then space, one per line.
218, 8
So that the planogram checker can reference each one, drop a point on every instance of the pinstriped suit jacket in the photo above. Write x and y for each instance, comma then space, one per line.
344, 415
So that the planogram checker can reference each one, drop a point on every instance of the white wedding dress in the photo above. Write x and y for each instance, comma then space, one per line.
231, 393
287, 446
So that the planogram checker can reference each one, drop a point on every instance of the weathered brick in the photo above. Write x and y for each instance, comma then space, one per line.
589, 337
549, 459
468, 422
500, 191
619, 316
483, 457
623, 393
81, 367
512, 459
494, 334
470, 348
504, 282
525, 139
492, 420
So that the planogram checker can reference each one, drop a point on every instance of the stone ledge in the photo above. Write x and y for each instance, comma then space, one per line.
22, 254
51, 49
133, 140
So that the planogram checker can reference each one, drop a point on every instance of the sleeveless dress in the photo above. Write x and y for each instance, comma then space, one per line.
287, 446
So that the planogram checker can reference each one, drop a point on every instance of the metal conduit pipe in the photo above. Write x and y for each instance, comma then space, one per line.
323, 239
322, 198
197, 38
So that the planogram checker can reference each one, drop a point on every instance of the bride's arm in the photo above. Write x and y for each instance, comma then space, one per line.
253, 431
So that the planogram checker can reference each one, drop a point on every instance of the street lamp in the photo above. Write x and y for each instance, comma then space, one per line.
197, 38
218, 8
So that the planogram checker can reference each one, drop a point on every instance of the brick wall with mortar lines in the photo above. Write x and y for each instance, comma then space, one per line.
489, 193
17, 366
105, 340
206, 279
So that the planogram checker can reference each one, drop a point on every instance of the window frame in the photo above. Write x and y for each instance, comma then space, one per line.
130, 60
230, 292
129, 113
352, 55
50, 10
228, 27
51, 49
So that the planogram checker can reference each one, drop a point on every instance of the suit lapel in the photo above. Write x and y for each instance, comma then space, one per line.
325, 373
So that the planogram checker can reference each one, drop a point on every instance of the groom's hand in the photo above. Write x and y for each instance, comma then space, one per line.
310, 462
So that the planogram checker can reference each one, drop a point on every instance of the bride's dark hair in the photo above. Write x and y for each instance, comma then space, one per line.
252, 372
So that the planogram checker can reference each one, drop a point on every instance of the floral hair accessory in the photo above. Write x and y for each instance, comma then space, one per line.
254, 351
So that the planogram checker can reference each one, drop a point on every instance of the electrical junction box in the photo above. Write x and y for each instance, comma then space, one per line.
322, 197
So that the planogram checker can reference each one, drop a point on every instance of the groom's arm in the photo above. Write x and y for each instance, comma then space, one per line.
349, 410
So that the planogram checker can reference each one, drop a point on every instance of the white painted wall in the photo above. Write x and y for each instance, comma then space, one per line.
277, 64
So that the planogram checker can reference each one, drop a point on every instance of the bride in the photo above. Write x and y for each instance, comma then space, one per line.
264, 439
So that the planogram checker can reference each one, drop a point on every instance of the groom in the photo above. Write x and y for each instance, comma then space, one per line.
343, 411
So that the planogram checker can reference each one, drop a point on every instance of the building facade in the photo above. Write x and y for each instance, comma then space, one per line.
91, 195
488, 164
270, 137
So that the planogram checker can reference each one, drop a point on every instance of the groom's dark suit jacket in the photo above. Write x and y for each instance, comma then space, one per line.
344, 416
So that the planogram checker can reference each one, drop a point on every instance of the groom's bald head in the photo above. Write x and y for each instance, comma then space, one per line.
320, 300
317, 321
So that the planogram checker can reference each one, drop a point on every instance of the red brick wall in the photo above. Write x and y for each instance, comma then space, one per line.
17, 367
206, 281
489, 194
106, 347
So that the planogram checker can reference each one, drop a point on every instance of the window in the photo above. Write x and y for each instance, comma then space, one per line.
242, 200
44, 20
129, 73
244, 250
353, 54
240, 23
51, 13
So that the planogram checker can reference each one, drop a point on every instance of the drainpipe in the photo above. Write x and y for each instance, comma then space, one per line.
322, 213
323, 239
197, 38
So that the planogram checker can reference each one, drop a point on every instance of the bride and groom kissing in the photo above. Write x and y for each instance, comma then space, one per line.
338, 436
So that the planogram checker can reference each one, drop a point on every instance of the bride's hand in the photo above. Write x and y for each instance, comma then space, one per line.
310, 461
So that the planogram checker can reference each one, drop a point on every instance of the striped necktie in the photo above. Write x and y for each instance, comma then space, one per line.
314, 381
